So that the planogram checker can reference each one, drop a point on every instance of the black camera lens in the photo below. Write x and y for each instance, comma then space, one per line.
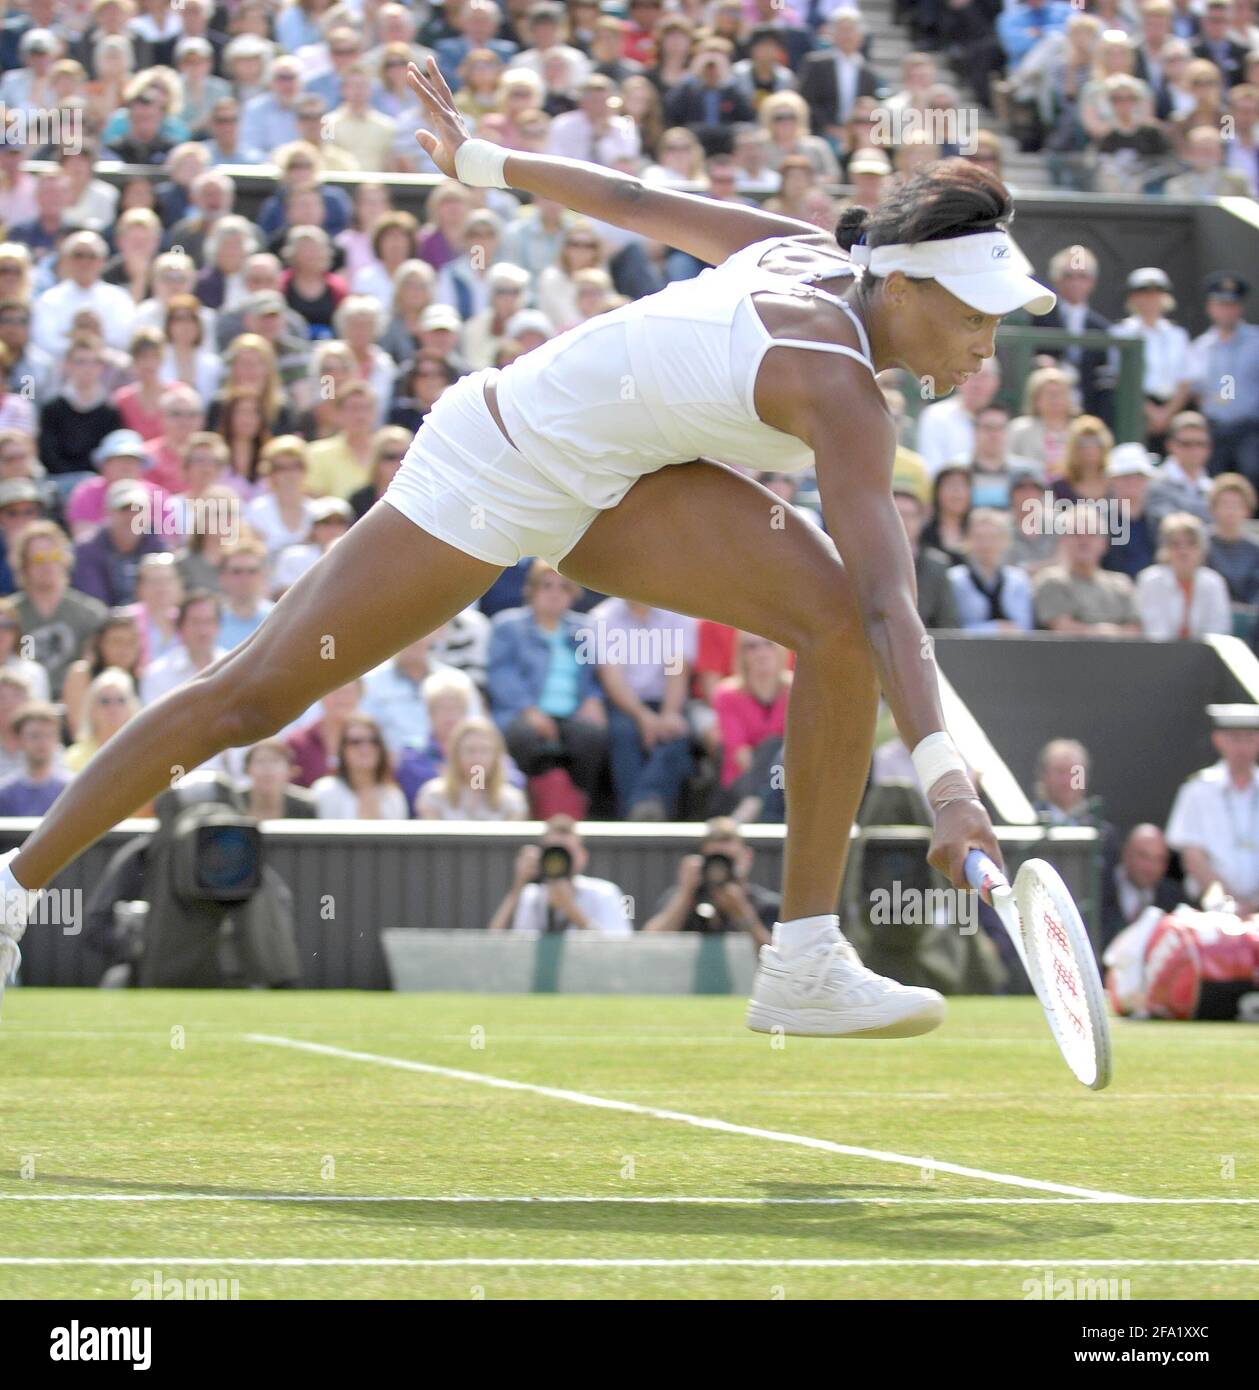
555, 862
718, 870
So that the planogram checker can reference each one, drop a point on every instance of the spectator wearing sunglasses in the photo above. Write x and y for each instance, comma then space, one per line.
363, 786
388, 451
243, 583
32, 367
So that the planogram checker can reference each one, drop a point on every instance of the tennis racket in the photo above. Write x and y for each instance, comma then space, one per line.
1045, 926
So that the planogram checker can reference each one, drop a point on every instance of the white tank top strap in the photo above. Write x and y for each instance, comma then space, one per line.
854, 353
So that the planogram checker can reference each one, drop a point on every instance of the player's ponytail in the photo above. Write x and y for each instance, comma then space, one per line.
949, 198
852, 223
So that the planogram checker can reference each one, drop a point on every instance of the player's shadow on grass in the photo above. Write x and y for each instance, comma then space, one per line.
918, 1228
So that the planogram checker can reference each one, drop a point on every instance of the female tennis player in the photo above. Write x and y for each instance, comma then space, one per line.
591, 450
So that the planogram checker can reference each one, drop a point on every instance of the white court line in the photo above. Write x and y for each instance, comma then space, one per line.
680, 1117
469, 1200
472, 1262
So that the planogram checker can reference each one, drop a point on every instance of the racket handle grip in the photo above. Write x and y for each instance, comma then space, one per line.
983, 874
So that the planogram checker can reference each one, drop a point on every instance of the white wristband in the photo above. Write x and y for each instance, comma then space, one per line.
934, 756
479, 164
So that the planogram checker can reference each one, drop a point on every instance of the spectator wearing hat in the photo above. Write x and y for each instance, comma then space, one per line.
1167, 366
57, 619
33, 790
1179, 596
594, 131
1073, 274
80, 417
1183, 483
868, 171
1231, 552
120, 455
30, 86
1206, 176
937, 606
1129, 472
1224, 370
331, 518
1076, 595
530, 328
107, 562
82, 260
1214, 822
1138, 881
834, 78
992, 595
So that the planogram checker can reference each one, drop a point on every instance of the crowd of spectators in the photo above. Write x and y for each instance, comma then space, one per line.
196, 405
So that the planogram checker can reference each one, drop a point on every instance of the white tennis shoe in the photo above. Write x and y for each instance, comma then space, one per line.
830, 994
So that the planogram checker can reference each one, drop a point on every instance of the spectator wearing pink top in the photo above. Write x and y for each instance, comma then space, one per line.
182, 416
751, 709
121, 454
139, 402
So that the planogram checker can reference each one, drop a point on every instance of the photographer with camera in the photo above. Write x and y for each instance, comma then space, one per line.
550, 893
713, 892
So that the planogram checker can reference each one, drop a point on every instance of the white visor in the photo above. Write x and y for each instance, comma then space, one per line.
985, 270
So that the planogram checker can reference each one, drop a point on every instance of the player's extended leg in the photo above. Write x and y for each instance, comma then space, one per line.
385, 585
701, 539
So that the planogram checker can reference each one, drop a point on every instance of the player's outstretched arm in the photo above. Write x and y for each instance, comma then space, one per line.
854, 444
699, 226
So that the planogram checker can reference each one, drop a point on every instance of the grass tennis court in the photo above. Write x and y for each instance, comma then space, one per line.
163, 1128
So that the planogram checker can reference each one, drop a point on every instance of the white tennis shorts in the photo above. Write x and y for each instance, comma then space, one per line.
462, 482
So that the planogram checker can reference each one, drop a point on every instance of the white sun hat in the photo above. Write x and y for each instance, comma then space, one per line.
985, 270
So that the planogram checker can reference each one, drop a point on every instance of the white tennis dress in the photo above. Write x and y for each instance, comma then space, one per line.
663, 380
